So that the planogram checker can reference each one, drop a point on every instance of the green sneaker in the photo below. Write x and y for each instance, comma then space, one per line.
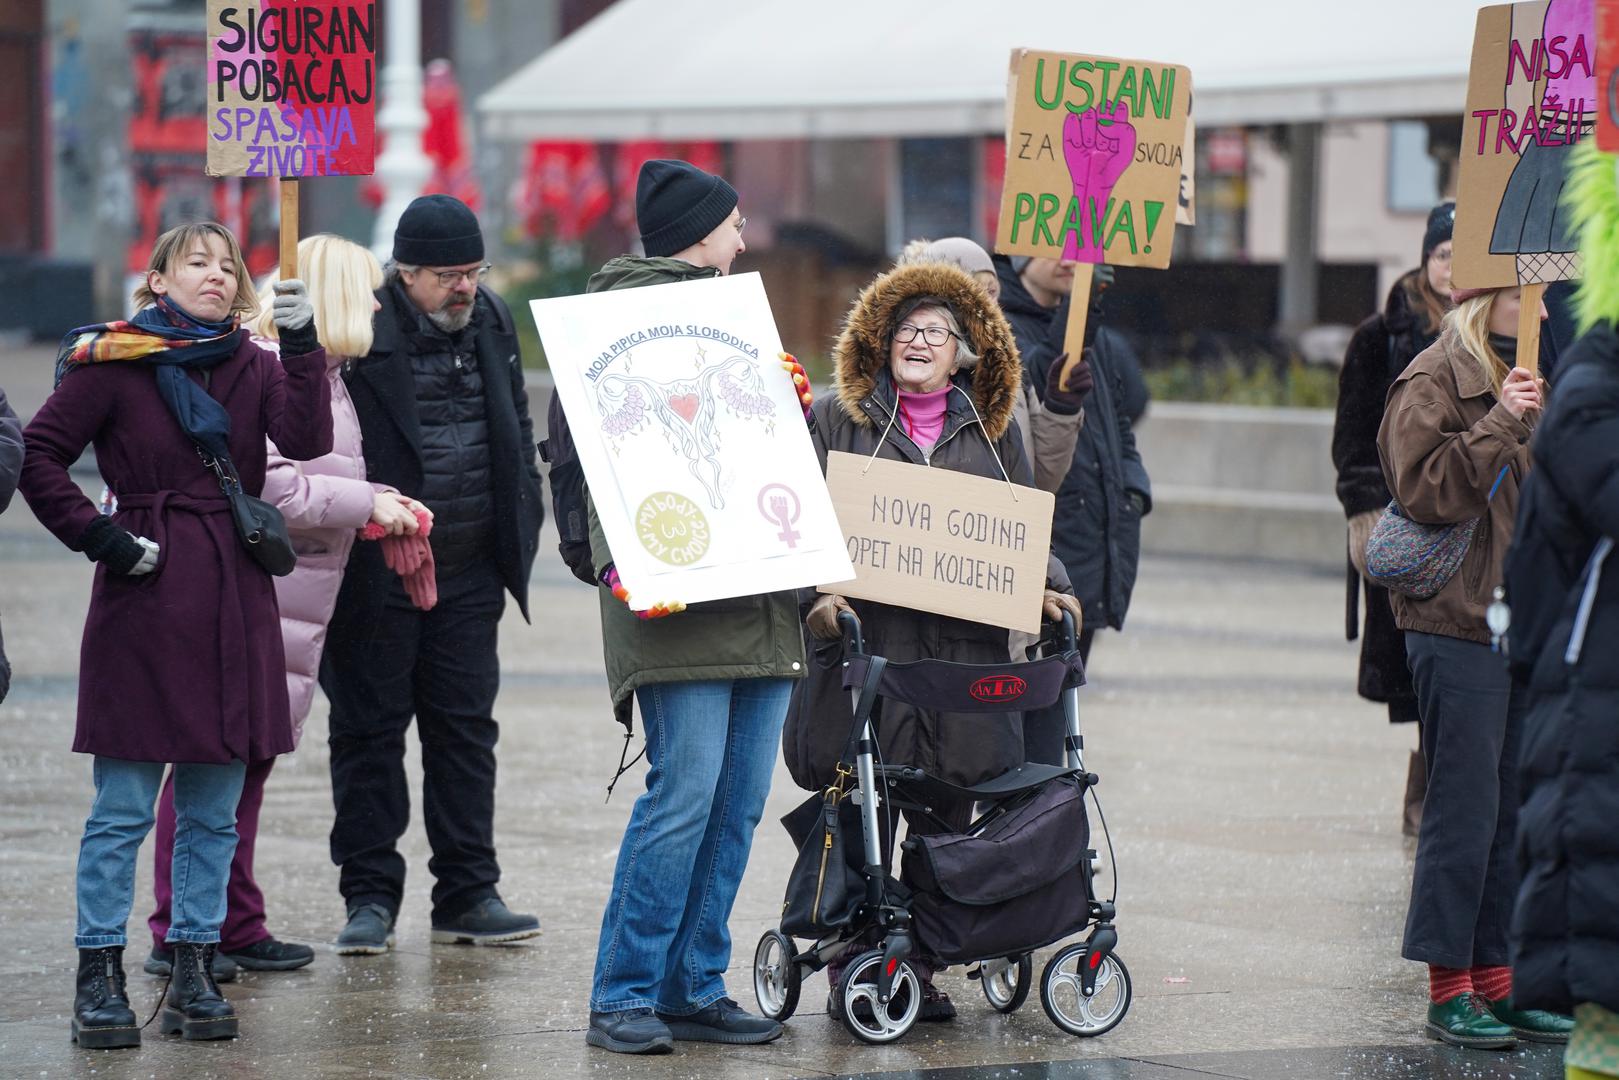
1536, 1025
1465, 1020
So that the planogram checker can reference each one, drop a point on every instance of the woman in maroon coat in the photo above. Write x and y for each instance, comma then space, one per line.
181, 660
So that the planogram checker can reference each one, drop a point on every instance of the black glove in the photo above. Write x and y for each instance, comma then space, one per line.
1066, 402
104, 542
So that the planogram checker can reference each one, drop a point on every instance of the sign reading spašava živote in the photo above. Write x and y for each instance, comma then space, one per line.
942, 541
292, 87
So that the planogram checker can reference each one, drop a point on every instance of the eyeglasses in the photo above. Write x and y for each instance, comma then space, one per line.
905, 333
1441, 255
741, 223
451, 278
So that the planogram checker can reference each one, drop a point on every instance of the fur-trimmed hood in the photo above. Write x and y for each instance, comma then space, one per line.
862, 346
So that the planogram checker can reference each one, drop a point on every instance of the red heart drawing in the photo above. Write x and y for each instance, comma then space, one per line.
685, 405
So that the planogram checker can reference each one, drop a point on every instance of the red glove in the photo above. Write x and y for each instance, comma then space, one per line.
421, 585
615, 585
801, 385
373, 531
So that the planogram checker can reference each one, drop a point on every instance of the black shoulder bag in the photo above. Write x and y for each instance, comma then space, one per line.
259, 525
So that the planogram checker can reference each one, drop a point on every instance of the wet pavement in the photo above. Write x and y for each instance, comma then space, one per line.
1254, 803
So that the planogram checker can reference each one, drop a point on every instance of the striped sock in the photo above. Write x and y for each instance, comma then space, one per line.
1445, 983
1495, 983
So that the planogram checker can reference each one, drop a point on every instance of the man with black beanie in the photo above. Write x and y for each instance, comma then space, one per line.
444, 416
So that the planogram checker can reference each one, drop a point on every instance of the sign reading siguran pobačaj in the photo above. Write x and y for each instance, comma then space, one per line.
292, 87
942, 541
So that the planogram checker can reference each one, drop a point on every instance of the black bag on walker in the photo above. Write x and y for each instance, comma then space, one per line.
1014, 886
826, 884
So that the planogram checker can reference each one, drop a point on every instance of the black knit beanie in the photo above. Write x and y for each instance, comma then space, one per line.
677, 204
438, 230
1441, 224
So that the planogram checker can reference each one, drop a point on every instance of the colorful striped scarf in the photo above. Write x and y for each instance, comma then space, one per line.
169, 337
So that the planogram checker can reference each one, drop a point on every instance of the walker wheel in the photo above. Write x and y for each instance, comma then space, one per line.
776, 979
854, 1000
1006, 981
1066, 1004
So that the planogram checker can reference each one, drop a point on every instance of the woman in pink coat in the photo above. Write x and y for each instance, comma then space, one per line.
326, 502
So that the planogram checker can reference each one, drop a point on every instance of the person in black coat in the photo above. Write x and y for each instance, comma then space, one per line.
1382, 347
1096, 528
1565, 927
443, 414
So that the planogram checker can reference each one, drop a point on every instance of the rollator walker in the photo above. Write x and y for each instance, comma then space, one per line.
1019, 878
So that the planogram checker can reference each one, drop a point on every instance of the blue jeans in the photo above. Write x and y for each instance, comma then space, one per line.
205, 798
711, 748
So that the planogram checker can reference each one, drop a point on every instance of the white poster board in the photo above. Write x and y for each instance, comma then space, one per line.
692, 440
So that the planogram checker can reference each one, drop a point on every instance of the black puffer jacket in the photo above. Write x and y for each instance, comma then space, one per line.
1097, 529
856, 419
456, 471
387, 402
1382, 347
1565, 928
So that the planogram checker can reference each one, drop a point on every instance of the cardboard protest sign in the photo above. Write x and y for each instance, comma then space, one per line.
1607, 59
291, 87
1095, 148
692, 440
1531, 97
942, 541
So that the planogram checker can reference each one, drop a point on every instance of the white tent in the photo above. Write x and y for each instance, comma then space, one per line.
783, 69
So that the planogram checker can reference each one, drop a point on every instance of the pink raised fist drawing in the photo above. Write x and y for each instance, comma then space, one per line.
1097, 147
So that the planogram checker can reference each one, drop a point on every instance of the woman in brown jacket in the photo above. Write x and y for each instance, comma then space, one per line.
1454, 448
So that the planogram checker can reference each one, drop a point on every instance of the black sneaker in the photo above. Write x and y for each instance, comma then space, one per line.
370, 932
635, 1031
161, 962
488, 922
722, 1022
271, 955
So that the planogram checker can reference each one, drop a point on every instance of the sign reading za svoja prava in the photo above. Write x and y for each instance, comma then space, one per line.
1094, 154
292, 87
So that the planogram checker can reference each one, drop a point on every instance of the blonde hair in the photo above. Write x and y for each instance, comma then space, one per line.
179, 242
341, 276
1471, 321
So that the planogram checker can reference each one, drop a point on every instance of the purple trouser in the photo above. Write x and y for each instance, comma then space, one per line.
244, 915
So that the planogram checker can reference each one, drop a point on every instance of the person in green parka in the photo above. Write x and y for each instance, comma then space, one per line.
713, 681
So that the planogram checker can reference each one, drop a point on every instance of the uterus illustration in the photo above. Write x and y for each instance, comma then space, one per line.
686, 412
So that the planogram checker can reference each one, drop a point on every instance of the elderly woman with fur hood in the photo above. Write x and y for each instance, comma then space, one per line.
927, 372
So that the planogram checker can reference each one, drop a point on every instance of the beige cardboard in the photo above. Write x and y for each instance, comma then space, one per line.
1121, 128
224, 158
942, 541
1485, 192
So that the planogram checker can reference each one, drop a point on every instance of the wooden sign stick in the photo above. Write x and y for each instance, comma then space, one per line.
289, 229
1079, 306
1529, 327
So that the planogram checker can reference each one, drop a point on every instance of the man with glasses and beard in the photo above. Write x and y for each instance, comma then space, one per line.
443, 414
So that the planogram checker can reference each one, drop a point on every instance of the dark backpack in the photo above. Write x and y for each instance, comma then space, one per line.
567, 493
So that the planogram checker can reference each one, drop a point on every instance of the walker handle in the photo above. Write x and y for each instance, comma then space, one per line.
854, 642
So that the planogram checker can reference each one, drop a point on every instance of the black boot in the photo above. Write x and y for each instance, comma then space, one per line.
102, 1018
195, 1008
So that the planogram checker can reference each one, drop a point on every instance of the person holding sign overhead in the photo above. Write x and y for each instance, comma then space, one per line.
712, 681
182, 645
927, 373
1454, 446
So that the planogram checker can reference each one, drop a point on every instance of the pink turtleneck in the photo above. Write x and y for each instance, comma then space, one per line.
923, 415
